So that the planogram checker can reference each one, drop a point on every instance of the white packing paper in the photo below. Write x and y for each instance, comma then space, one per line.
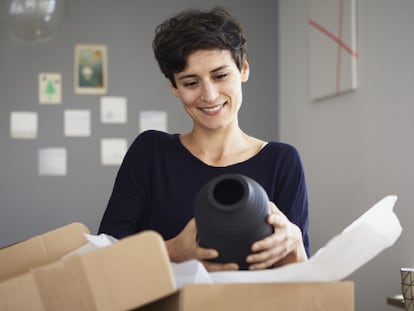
365, 238
190, 272
95, 241
373, 232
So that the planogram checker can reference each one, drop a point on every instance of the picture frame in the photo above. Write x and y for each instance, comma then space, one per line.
91, 69
332, 49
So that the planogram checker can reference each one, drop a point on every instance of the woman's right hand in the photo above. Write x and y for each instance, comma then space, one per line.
184, 247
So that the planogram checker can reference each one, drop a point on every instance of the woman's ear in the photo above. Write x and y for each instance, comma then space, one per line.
245, 70
174, 90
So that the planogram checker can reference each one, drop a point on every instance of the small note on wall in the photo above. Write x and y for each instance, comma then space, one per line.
23, 124
50, 88
77, 123
113, 150
113, 109
153, 120
52, 162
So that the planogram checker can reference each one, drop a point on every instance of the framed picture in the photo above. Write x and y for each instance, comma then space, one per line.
332, 47
91, 71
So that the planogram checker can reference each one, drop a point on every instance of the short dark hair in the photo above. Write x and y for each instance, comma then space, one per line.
192, 30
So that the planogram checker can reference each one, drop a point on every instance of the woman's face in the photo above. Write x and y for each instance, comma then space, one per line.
210, 88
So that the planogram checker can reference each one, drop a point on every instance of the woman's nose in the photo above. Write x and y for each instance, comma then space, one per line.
209, 93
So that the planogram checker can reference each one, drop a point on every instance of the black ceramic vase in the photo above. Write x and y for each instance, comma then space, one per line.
230, 214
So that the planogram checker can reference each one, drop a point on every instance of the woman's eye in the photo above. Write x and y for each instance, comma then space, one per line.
221, 76
190, 84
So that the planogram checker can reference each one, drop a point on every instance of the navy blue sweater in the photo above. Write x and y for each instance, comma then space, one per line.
158, 181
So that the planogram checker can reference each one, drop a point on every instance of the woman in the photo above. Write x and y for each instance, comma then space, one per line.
203, 55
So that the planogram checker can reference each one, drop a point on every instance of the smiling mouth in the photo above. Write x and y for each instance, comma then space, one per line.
213, 109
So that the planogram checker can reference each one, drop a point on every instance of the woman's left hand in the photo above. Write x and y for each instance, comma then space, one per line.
284, 246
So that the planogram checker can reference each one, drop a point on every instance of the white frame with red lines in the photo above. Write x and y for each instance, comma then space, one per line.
332, 47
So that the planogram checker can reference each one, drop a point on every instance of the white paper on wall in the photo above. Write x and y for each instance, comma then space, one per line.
153, 120
77, 123
23, 124
113, 150
113, 109
52, 161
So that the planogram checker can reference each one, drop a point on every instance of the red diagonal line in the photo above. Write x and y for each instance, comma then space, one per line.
333, 37
339, 56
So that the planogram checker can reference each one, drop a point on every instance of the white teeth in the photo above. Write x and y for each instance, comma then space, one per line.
212, 109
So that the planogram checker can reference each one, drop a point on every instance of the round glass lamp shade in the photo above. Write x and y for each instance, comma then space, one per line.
33, 20
230, 213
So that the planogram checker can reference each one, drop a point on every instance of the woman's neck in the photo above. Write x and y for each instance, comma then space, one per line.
221, 147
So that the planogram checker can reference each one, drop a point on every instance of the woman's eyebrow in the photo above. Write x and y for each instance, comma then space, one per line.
187, 76
191, 75
219, 68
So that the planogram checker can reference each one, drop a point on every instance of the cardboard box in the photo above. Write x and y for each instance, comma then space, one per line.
135, 274
20, 293
128, 274
40, 250
338, 296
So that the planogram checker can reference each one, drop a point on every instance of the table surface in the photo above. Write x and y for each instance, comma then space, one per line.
396, 300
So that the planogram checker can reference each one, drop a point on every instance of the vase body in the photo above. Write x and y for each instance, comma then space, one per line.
230, 214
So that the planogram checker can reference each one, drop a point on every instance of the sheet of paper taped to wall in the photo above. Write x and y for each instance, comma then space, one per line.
376, 230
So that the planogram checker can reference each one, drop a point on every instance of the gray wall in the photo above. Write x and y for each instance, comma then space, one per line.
32, 204
357, 147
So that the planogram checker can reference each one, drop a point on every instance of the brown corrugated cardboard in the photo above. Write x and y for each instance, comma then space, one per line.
135, 274
127, 274
130, 273
20, 293
320, 296
40, 250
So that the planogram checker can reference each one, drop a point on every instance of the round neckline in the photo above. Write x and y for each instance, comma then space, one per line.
177, 138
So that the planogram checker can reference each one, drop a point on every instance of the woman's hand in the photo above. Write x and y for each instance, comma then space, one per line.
184, 247
284, 246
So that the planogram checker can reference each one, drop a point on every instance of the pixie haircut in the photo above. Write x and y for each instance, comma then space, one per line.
192, 30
